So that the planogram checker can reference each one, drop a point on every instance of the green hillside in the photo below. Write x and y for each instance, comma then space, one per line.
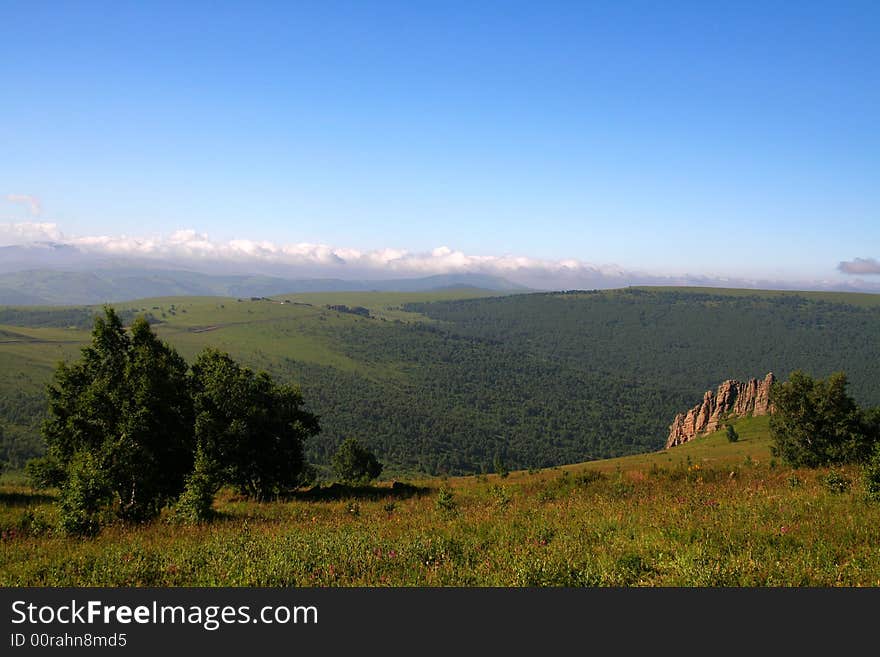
450, 382
707, 513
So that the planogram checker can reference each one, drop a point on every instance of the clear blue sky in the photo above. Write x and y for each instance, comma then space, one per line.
741, 137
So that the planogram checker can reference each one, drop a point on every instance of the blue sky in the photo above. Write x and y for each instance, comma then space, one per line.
736, 139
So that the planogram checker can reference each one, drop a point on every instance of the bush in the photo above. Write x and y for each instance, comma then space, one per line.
445, 501
732, 435
871, 474
44, 472
501, 496
196, 503
85, 494
354, 464
836, 482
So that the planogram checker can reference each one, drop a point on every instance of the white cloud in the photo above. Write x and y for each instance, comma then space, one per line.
32, 203
191, 249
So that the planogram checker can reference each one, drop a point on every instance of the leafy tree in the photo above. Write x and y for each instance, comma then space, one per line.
118, 431
816, 423
354, 463
249, 432
732, 435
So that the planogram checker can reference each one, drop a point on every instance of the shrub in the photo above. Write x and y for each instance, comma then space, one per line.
587, 477
836, 482
44, 472
871, 474
445, 501
501, 496
196, 503
732, 435
354, 464
85, 494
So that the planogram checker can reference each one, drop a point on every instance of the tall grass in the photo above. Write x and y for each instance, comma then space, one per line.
684, 525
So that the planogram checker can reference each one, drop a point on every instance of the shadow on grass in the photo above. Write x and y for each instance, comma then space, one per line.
337, 491
10, 498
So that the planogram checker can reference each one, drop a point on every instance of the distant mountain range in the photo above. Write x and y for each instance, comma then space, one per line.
50, 273
55, 272
58, 287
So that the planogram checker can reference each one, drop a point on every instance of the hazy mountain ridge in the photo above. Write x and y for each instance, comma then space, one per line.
59, 287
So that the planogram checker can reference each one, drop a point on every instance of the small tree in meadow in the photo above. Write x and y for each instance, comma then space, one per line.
732, 435
355, 464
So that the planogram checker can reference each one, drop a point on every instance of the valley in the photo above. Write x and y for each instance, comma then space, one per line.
449, 382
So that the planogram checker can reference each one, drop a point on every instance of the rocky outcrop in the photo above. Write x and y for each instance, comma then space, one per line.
732, 399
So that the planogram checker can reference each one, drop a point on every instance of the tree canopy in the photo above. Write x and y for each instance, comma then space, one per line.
249, 431
130, 426
118, 428
815, 422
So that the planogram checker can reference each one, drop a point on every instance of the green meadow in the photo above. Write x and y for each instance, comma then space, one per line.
705, 513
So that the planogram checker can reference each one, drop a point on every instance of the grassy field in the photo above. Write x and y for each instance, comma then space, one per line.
243, 326
705, 513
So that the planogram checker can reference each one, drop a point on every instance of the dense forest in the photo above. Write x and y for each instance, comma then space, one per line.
536, 380
543, 379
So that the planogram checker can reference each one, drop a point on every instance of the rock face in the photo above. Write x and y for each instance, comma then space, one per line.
732, 399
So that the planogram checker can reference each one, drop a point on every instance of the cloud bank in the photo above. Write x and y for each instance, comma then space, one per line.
193, 248
45, 242
860, 266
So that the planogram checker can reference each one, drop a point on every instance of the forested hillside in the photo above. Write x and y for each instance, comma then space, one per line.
456, 385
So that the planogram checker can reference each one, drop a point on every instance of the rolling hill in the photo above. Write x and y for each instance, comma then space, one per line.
118, 283
450, 382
